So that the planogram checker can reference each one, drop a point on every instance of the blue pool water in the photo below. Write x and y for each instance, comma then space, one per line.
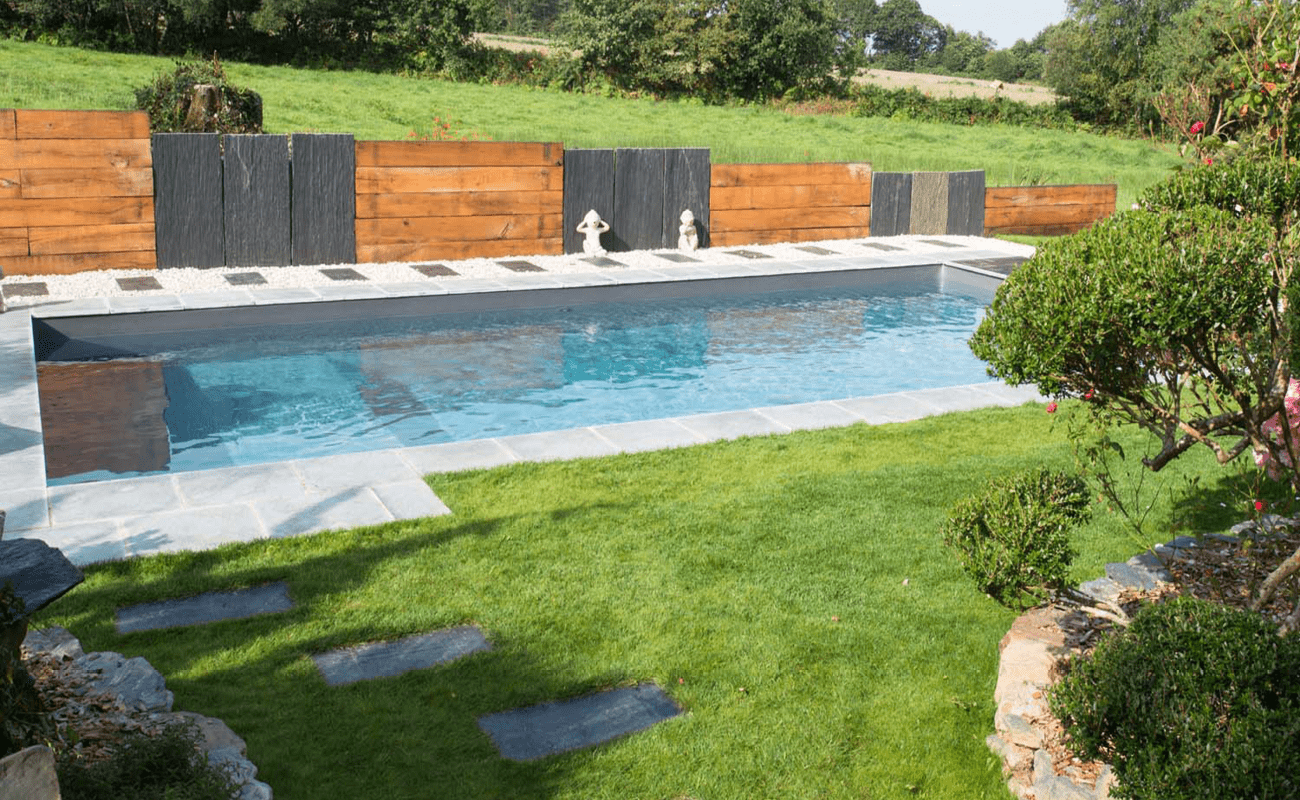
259, 394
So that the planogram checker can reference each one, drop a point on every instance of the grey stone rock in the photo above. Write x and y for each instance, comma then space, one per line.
1058, 788
1129, 577
240, 769
1223, 537
1017, 730
41, 574
214, 734
1105, 780
1152, 565
138, 684
1011, 755
256, 790
1043, 770
29, 775
1101, 589
57, 642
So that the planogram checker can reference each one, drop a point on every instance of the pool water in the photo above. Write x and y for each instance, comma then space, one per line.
259, 394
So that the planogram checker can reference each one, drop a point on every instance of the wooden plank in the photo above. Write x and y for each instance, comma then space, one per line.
32, 124
436, 251
13, 241
10, 186
255, 200
391, 180
459, 154
75, 154
791, 219
1082, 194
687, 178
588, 186
1046, 215
79, 262
777, 236
638, 222
456, 229
324, 198
446, 204
966, 203
92, 239
835, 194
1063, 229
891, 203
8, 126
790, 174
39, 183
71, 211
187, 182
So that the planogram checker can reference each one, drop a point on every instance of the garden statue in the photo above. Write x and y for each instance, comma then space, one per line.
689, 240
592, 226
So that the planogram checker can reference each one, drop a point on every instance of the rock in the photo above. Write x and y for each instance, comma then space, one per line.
1151, 564
56, 641
29, 775
239, 768
1130, 577
255, 790
1017, 730
138, 684
214, 734
1101, 589
41, 574
1011, 755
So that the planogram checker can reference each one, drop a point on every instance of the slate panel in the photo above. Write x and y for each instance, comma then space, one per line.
686, 185
891, 203
929, 203
255, 180
324, 192
187, 200
388, 659
588, 184
638, 200
966, 203
271, 598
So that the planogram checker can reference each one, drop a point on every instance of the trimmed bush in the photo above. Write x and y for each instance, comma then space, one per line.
1014, 537
1267, 188
1194, 701
168, 766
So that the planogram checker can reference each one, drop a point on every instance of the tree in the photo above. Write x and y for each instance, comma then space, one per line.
904, 34
964, 53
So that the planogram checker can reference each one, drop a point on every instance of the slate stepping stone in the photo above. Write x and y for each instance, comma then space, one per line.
271, 598
880, 246
40, 573
245, 278
747, 254
939, 242
343, 274
817, 251
386, 659
434, 270
139, 284
677, 258
524, 734
32, 289
521, 266
601, 261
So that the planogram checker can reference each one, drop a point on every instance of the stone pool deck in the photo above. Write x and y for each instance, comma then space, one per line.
197, 510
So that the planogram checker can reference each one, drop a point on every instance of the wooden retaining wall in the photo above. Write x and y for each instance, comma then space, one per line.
419, 201
76, 191
765, 203
1046, 210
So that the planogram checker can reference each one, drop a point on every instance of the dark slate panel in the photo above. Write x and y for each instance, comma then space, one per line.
602, 261
817, 251
271, 598
891, 203
588, 185
324, 190
387, 659
41, 574
144, 284
638, 222
434, 270
32, 289
747, 254
187, 200
677, 258
255, 180
686, 185
519, 265
966, 203
929, 203
343, 274
245, 279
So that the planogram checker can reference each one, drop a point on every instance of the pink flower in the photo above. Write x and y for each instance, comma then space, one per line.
1197, 127
1259, 505
1051, 408
1209, 162
1087, 395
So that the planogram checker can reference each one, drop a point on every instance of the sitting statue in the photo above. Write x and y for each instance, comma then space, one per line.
689, 240
592, 226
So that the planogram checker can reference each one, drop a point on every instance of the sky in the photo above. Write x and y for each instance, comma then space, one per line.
1004, 21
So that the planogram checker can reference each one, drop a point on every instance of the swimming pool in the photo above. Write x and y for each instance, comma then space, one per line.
194, 391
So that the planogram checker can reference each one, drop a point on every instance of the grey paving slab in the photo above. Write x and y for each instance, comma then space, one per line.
190, 529
30, 289
940, 243
229, 298
245, 278
271, 296
181, 612
474, 286
434, 270
457, 456
731, 424
541, 281
643, 275
955, 398
737, 270
350, 291
144, 284
24, 469
84, 307
889, 408
602, 261
343, 274
336, 510
25, 509
676, 258
819, 251
880, 246
422, 288
144, 303
240, 484
520, 265
1012, 395
352, 469
558, 445
85, 543
581, 279
130, 497
410, 500
810, 416
655, 434
754, 254
388, 659
525, 734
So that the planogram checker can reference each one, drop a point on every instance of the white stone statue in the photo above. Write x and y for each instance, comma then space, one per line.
592, 226
689, 240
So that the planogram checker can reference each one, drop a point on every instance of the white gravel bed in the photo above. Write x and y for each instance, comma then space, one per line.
103, 283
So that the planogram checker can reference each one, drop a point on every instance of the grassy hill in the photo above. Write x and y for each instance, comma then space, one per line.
375, 106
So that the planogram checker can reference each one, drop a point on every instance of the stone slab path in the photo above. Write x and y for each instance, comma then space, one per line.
387, 659
271, 598
524, 734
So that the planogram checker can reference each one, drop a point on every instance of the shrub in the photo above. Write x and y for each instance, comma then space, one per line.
1013, 537
167, 100
1266, 188
167, 766
1193, 700
23, 719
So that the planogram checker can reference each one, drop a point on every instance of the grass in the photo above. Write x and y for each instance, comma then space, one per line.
375, 106
789, 592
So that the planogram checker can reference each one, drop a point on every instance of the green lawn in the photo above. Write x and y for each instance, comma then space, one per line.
790, 592
374, 106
